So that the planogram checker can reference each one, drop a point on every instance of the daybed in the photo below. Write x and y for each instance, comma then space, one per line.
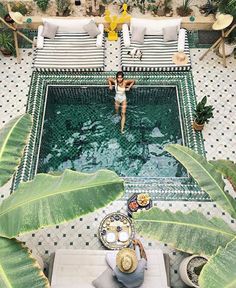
78, 268
157, 53
71, 49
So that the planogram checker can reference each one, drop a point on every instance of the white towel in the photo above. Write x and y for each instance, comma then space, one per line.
99, 40
125, 30
181, 40
40, 39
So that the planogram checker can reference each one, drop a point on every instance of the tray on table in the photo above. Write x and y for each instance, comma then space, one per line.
115, 224
133, 198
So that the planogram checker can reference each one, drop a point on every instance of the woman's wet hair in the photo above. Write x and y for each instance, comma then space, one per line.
120, 73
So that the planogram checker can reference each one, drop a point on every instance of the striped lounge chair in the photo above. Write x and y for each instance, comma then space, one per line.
73, 51
157, 54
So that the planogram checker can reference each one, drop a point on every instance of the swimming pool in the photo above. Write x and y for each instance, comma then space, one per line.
74, 127
82, 132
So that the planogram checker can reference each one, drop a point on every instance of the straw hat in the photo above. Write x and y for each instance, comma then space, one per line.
17, 17
180, 58
126, 260
222, 21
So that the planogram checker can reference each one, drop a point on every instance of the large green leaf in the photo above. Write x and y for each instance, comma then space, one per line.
18, 269
48, 200
228, 169
191, 232
220, 270
206, 176
13, 137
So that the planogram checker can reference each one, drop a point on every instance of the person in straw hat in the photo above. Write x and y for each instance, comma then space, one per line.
17, 17
180, 58
129, 270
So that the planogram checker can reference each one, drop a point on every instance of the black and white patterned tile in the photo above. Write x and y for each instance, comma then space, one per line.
112, 57
210, 79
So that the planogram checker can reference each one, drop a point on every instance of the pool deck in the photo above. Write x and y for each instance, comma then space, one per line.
210, 79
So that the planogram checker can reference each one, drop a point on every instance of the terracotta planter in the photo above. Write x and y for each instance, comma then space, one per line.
197, 127
182, 12
5, 52
161, 12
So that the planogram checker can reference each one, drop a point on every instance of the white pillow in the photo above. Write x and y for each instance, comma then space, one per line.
154, 27
68, 25
92, 29
49, 30
170, 33
138, 34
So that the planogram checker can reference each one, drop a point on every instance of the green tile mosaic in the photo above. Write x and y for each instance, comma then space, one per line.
171, 188
193, 39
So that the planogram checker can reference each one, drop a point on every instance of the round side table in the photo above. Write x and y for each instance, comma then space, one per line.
116, 231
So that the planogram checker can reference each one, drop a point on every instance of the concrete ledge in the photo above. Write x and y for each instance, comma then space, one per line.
200, 22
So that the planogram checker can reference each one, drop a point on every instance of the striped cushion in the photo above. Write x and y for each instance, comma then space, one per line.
69, 52
157, 55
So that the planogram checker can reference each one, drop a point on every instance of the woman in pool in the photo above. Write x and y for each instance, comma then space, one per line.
121, 85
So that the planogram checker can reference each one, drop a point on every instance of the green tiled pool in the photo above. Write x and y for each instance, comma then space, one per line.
74, 127
82, 132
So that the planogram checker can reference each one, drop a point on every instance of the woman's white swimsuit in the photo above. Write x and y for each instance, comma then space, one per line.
120, 93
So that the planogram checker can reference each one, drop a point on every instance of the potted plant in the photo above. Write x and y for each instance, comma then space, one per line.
42, 4
184, 9
193, 232
228, 7
63, 7
168, 9
94, 8
3, 12
142, 5
6, 43
24, 9
230, 45
45, 201
162, 8
210, 7
152, 7
202, 114
190, 269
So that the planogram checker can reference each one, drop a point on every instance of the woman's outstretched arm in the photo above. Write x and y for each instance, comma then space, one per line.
129, 83
111, 82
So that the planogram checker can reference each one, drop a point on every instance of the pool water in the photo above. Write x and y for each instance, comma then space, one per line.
82, 132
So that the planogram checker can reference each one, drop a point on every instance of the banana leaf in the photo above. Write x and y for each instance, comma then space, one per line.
49, 200
206, 176
13, 137
228, 169
192, 232
220, 272
18, 269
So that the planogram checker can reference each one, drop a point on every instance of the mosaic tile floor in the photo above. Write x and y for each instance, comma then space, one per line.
210, 78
